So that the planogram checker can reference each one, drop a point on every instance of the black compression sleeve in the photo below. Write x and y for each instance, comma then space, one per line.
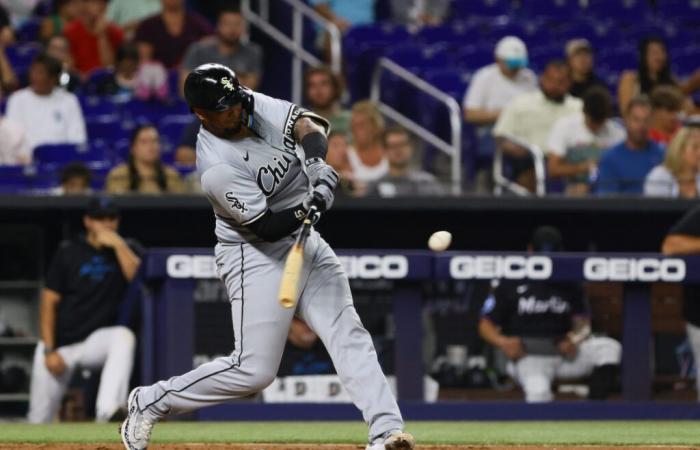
315, 145
274, 226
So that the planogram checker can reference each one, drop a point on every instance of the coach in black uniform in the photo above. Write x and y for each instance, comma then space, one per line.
684, 239
544, 329
86, 283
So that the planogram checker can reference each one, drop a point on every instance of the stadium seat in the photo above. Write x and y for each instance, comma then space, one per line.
628, 10
28, 31
152, 111
452, 81
467, 9
171, 127
561, 9
16, 179
21, 56
107, 127
93, 105
474, 57
59, 154
452, 35
96, 78
678, 9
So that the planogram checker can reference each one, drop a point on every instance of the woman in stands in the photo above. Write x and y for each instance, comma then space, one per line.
679, 174
144, 172
366, 156
64, 12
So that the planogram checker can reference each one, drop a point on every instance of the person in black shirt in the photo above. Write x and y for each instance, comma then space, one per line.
684, 239
86, 282
579, 56
544, 329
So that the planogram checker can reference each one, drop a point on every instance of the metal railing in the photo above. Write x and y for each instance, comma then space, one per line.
500, 180
295, 44
452, 148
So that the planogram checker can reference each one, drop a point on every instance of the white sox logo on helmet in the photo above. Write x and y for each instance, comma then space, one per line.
228, 84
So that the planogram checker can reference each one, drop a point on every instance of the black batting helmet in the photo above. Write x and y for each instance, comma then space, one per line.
215, 87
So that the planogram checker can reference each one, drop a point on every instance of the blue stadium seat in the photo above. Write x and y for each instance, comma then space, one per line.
152, 111
93, 105
628, 10
488, 8
561, 9
174, 82
106, 127
21, 56
618, 59
16, 179
474, 57
452, 81
171, 127
59, 154
28, 31
453, 35
678, 9
96, 78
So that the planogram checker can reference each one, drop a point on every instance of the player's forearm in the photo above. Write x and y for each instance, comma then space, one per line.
490, 333
312, 138
274, 226
679, 244
129, 262
49, 301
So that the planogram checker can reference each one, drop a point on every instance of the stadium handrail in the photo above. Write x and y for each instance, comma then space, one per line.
502, 182
295, 44
453, 148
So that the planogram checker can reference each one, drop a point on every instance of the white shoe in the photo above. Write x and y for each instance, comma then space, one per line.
136, 428
396, 440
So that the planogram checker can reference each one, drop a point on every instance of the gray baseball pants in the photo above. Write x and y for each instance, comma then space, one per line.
252, 273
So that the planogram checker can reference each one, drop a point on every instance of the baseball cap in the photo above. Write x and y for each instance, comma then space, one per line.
512, 51
576, 45
101, 206
546, 239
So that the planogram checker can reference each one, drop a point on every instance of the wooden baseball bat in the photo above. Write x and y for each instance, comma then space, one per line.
289, 286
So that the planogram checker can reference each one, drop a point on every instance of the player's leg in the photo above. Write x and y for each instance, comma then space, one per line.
599, 358
326, 306
535, 374
260, 327
694, 340
46, 390
112, 349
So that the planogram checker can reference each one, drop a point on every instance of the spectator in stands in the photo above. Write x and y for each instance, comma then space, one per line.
624, 167
530, 118
123, 81
654, 70
127, 14
75, 180
679, 175
684, 240
579, 56
166, 36
402, 179
666, 106
93, 40
185, 153
494, 86
144, 172
544, 329
87, 280
8, 78
419, 13
337, 158
227, 48
14, 146
345, 13
64, 12
7, 36
576, 142
367, 159
323, 90
52, 114
58, 47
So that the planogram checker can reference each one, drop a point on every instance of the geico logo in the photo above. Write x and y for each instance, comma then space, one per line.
373, 267
513, 267
630, 269
191, 266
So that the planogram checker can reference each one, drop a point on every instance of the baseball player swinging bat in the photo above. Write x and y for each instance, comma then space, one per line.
289, 286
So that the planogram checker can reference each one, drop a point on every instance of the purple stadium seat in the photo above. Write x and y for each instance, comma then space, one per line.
171, 127
475, 57
97, 106
28, 31
455, 36
152, 111
679, 9
561, 9
628, 10
452, 81
15, 179
21, 56
59, 154
95, 79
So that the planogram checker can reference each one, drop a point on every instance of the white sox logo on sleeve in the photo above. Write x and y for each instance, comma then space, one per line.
235, 203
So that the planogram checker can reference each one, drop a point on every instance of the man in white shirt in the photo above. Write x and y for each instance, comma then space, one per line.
530, 117
50, 114
14, 149
576, 142
492, 87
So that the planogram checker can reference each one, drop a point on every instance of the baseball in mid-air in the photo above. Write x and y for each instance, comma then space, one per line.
440, 241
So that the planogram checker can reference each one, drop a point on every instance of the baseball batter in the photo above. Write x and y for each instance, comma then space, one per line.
262, 162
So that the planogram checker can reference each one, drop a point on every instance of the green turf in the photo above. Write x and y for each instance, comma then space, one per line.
606, 433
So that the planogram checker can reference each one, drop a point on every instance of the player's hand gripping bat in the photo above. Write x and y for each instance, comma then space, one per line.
289, 286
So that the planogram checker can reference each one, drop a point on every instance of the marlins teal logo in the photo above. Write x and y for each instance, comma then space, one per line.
228, 84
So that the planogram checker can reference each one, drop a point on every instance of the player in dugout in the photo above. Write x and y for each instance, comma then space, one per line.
544, 330
85, 286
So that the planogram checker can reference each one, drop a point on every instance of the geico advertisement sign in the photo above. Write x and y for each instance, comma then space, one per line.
632, 269
512, 267
191, 266
367, 267
374, 267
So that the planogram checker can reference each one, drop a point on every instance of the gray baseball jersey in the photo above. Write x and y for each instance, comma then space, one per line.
242, 178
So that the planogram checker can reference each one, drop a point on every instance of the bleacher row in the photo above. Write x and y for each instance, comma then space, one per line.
448, 55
